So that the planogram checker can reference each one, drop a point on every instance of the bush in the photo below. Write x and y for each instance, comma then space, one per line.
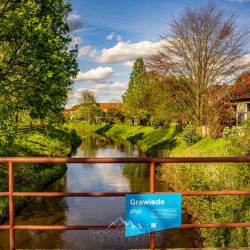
190, 135
239, 137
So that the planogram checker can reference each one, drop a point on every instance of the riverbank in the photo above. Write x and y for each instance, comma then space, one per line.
197, 177
51, 142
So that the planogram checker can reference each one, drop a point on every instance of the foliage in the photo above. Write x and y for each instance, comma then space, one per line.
190, 136
218, 111
133, 97
210, 177
7, 125
36, 64
239, 138
150, 98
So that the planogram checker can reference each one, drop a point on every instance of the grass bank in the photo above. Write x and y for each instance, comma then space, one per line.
197, 177
82, 128
152, 141
35, 177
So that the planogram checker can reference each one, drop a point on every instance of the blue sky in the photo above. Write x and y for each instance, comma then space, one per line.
116, 32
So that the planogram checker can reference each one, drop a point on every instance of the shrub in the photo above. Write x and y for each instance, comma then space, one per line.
190, 135
239, 137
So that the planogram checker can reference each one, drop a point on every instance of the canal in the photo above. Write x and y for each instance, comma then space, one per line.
80, 211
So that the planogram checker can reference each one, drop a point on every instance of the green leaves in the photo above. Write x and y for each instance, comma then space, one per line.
133, 97
36, 66
49, 74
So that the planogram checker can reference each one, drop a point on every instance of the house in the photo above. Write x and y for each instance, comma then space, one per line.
105, 106
242, 108
240, 92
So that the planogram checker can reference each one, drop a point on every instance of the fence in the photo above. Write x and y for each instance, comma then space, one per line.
152, 161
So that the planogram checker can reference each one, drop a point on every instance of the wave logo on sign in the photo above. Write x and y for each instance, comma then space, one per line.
135, 211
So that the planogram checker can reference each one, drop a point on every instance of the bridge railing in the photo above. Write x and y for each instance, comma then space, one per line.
10, 161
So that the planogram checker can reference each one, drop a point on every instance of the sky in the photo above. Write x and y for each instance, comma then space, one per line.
116, 32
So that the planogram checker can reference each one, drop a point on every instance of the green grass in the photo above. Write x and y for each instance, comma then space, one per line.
211, 177
82, 128
150, 140
35, 177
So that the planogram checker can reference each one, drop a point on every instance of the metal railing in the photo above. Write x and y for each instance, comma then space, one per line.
153, 161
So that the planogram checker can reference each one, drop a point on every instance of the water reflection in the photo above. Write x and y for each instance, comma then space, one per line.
83, 211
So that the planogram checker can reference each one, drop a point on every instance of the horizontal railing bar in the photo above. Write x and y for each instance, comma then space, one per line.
226, 225
103, 227
112, 194
4, 194
107, 227
45, 160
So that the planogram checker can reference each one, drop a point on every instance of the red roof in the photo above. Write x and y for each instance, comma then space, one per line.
109, 105
103, 106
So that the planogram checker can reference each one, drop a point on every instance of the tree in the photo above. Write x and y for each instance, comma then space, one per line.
88, 109
133, 97
36, 64
158, 99
218, 111
203, 49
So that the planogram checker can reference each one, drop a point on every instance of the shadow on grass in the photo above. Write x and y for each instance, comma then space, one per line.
103, 130
155, 150
135, 138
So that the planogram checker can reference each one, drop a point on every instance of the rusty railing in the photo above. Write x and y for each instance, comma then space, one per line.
152, 161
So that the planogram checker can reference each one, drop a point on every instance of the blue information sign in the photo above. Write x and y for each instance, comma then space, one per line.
147, 213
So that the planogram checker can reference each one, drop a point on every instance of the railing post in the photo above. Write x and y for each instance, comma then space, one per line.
11, 205
152, 190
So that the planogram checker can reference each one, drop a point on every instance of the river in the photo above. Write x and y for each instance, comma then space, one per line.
80, 210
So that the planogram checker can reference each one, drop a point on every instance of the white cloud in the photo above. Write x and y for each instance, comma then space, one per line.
103, 92
98, 74
87, 51
110, 36
74, 96
113, 35
109, 91
246, 59
122, 53
76, 41
126, 53
129, 64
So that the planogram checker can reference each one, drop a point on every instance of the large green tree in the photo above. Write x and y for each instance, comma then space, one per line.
36, 64
133, 97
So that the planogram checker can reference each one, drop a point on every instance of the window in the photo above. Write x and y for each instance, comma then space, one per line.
248, 107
